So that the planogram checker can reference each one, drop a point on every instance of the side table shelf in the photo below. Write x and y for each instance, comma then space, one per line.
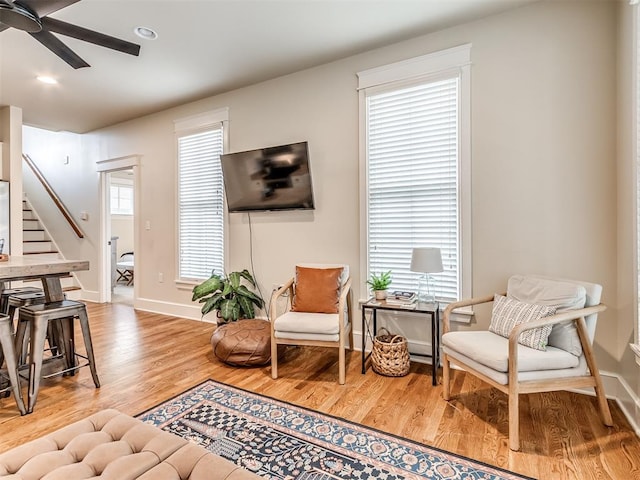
369, 328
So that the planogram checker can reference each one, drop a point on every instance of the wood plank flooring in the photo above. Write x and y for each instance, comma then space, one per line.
146, 358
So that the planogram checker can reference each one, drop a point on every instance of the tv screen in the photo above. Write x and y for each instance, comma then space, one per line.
274, 178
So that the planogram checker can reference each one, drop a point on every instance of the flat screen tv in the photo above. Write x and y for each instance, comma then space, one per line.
273, 178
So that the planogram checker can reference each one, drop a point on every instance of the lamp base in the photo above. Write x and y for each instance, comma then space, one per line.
426, 293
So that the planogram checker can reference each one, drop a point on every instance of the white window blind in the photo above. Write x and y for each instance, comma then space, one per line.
200, 204
412, 160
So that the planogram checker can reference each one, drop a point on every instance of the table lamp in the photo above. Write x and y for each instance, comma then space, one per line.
426, 260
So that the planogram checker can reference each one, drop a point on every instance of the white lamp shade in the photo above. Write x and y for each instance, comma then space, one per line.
426, 260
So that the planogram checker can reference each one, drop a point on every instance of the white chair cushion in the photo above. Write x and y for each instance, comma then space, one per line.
508, 313
491, 350
564, 295
308, 326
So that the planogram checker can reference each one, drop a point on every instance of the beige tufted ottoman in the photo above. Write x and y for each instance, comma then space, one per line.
110, 445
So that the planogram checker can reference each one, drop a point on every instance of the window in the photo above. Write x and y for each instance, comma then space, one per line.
121, 199
200, 142
415, 139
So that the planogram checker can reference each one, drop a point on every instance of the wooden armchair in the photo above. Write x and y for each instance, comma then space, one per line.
319, 300
504, 363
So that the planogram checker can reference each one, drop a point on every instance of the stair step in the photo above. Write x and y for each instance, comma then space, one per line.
28, 215
39, 253
31, 224
34, 236
36, 246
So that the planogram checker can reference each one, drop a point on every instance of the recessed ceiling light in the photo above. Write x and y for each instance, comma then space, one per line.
146, 33
46, 79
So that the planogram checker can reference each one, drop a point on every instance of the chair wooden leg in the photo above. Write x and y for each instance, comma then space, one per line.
595, 373
351, 338
446, 377
342, 377
274, 358
514, 419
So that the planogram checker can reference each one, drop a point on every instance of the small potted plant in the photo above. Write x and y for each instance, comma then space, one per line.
229, 296
379, 284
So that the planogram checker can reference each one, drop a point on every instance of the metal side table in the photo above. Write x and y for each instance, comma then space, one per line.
370, 326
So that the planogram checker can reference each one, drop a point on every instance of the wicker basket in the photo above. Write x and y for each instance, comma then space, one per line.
390, 354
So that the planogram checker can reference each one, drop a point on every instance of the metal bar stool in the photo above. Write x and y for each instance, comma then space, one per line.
7, 292
38, 317
6, 340
54, 336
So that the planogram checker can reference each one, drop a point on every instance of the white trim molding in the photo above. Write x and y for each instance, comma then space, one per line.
635, 348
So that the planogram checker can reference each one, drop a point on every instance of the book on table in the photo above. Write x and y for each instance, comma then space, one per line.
401, 298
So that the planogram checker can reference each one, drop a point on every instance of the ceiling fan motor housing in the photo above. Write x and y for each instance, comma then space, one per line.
17, 16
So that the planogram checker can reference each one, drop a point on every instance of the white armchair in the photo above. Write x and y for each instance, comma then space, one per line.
318, 313
534, 307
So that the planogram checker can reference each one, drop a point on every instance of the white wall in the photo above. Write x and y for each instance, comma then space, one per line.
122, 227
543, 160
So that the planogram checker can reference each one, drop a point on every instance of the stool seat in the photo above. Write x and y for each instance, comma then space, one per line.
7, 292
38, 317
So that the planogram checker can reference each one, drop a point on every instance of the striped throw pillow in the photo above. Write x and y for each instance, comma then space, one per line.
507, 313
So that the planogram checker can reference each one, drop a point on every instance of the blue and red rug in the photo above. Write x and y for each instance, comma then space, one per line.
277, 440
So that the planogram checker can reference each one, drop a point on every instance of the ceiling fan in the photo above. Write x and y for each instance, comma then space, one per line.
31, 16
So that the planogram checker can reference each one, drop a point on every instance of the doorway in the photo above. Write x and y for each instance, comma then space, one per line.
119, 182
122, 221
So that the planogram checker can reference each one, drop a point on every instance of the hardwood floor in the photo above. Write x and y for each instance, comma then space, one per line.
146, 358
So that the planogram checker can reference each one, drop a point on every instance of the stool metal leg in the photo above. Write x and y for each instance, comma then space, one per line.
6, 340
38, 336
86, 335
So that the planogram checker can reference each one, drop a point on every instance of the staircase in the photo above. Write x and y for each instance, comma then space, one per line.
36, 241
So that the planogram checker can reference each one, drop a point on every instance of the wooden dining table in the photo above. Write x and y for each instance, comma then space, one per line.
49, 270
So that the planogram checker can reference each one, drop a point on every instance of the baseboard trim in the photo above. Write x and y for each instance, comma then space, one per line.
190, 312
90, 295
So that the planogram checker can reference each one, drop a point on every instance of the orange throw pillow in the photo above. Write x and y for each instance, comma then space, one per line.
317, 290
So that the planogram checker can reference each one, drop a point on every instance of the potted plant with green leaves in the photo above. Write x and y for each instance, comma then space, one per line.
229, 296
379, 284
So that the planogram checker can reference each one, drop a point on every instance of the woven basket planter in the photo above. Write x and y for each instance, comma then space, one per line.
390, 354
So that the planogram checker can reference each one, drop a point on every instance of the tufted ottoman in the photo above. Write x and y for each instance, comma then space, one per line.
113, 446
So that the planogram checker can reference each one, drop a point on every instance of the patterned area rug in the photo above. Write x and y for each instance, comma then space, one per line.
278, 440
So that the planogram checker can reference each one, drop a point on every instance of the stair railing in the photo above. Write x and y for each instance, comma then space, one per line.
53, 195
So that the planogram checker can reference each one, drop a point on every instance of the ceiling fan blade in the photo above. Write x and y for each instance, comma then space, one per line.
50, 41
91, 36
45, 7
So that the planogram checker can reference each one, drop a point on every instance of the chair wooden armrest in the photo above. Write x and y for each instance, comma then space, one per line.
575, 315
463, 303
344, 297
287, 287
557, 318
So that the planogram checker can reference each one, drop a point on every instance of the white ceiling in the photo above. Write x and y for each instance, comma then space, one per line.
204, 47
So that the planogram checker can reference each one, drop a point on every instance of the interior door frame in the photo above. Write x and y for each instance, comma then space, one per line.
105, 167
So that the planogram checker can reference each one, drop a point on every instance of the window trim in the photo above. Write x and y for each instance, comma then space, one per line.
187, 126
433, 65
635, 150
